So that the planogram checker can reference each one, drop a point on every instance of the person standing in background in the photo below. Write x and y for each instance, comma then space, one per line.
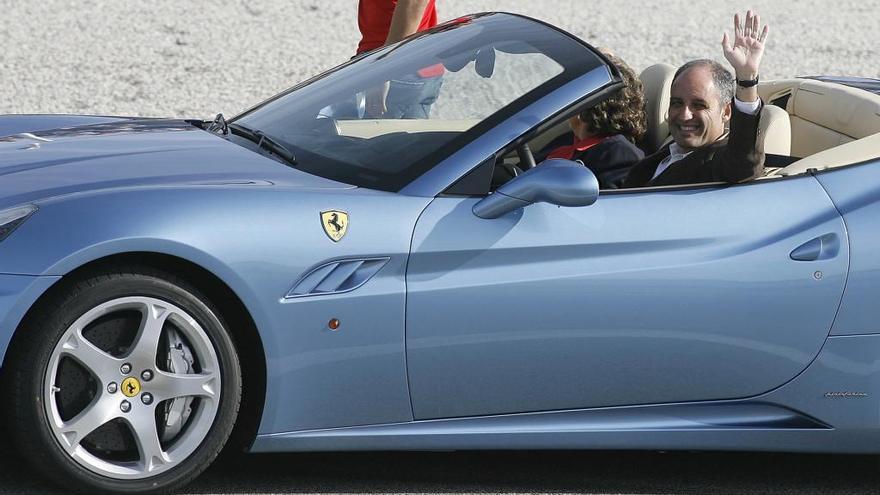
383, 22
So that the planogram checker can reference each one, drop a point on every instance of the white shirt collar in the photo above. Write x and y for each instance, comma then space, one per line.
676, 150
676, 153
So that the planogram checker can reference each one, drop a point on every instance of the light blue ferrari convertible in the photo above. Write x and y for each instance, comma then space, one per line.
304, 277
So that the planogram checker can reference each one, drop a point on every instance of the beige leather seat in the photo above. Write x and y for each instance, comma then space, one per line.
656, 83
832, 125
825, 115
774, 131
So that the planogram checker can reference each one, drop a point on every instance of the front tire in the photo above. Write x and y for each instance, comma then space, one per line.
123, 382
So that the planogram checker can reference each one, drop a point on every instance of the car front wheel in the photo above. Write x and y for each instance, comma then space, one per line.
123, 382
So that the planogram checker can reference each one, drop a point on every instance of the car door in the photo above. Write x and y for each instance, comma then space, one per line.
651, 296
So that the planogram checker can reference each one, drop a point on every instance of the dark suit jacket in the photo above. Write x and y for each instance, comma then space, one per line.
611, 160
734, 158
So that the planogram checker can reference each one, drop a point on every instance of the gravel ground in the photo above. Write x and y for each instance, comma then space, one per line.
193, 59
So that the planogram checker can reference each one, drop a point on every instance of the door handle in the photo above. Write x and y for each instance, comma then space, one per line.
821, 248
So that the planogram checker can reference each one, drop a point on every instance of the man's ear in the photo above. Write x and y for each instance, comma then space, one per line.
726, 112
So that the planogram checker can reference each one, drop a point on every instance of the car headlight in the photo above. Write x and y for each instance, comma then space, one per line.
13, 217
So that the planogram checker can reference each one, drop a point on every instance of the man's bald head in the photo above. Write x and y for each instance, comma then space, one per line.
700, 103
721, 77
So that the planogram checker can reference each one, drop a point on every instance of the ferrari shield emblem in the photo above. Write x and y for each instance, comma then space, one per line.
335, 223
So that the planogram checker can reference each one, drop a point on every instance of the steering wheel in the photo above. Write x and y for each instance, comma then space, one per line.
526, 158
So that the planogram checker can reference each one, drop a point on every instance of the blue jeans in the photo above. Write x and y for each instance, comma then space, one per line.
411, 97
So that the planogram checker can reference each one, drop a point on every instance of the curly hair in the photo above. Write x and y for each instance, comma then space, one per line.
621, 113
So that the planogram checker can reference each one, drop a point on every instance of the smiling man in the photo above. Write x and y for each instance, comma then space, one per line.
705, 99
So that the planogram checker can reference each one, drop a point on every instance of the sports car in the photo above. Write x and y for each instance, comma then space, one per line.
306, 276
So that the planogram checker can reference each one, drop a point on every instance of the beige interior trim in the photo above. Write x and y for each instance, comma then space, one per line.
860, 150
810, 138
370, 128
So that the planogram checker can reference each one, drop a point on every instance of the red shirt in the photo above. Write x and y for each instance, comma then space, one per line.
374, 21
567, 152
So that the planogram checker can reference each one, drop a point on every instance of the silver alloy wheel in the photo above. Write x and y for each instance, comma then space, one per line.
113, 401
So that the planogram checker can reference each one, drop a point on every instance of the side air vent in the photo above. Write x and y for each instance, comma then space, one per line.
336, 277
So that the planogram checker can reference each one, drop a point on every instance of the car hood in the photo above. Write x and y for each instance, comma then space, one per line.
133, 153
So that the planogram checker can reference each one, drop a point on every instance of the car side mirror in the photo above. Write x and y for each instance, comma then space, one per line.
555, 181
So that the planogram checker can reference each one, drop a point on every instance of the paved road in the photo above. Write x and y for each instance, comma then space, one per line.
517, 472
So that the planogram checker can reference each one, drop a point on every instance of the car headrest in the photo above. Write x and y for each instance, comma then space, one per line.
657, 83
774, 131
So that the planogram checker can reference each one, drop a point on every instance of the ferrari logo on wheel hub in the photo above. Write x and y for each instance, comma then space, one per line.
335, 223
131, 387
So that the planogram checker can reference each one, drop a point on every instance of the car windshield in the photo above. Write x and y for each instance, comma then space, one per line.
386, 117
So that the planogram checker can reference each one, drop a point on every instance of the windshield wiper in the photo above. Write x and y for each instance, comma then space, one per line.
263, 141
